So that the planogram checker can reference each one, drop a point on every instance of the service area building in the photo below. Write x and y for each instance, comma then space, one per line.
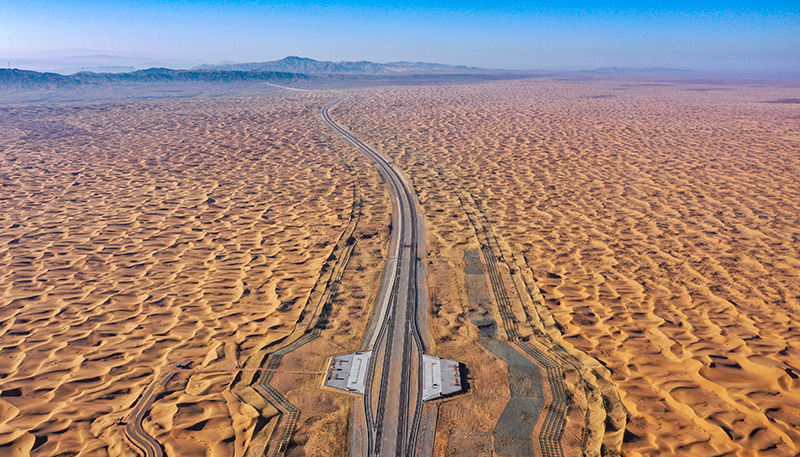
349, 372
440, 377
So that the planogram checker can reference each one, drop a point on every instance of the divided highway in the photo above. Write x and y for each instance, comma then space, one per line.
133, 425
393, 398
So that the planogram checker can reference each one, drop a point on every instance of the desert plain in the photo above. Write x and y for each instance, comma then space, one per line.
650, 228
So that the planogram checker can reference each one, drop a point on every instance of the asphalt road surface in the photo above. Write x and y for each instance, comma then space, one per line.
393, 399
133, 426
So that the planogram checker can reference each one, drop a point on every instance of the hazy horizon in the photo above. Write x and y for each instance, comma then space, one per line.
557, 36
67, 62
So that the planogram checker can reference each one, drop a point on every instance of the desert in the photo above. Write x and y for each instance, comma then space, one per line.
399, 229
658, 220
137, 236
613, 260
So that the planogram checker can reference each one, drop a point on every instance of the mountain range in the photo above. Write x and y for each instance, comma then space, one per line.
27, 78
294, 64
302, 68
289, 68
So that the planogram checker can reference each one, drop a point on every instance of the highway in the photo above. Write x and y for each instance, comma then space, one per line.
393, 398
133, 425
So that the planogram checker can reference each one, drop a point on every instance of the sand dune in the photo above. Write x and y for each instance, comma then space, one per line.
134, 236
660, 223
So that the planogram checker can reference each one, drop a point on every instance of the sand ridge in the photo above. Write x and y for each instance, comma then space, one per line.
659, 222
134, 236
660, 225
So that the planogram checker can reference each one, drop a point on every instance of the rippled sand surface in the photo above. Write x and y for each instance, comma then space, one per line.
661, 221
134, 236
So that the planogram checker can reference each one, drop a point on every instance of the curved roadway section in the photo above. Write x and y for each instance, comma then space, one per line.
133, 428
393, 399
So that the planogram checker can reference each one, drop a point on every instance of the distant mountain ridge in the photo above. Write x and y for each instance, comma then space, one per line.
68, 62
295, 68
295, 64
28, 78
289, 68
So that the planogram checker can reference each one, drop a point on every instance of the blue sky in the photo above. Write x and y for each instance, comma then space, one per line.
498, 34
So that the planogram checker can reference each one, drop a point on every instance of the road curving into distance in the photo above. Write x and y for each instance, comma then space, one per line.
393, 399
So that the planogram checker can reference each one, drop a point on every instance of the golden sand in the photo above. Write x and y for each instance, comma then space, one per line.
134, 236
660, 222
